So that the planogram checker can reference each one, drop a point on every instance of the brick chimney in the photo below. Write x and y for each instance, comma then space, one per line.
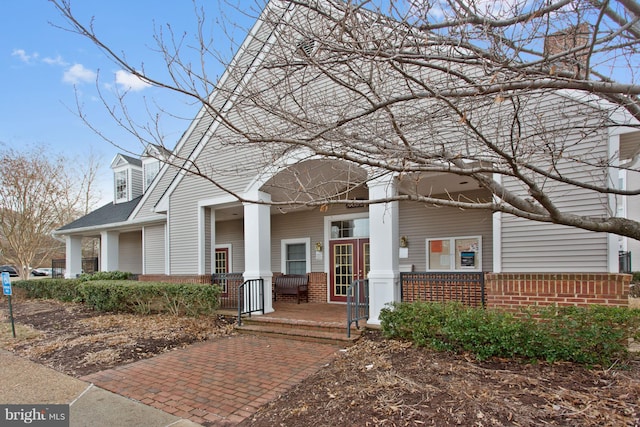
573, 37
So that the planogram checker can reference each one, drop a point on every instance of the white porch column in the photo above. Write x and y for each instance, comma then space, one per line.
384, 239
257, 244
109, 250
73, 264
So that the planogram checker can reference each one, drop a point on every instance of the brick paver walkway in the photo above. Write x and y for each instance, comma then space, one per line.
219, 382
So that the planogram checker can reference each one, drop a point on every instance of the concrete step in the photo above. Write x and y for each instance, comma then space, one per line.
280, 330
312, 325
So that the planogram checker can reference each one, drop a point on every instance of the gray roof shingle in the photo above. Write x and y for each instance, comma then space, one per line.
107, 214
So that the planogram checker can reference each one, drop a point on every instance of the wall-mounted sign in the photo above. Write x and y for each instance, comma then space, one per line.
467, 259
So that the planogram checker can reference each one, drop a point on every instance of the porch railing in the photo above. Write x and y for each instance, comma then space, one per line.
464, 287
58, 266
250, 298
357, 303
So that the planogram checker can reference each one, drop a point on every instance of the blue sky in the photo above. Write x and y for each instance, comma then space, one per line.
44, 69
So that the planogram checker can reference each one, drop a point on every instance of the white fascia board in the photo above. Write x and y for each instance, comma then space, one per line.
112, 226
231, 100
118, 161
618, 114
218, 202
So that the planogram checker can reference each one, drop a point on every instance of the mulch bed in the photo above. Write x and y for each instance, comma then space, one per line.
376, 382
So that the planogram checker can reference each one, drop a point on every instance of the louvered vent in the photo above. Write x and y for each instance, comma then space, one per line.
305, 48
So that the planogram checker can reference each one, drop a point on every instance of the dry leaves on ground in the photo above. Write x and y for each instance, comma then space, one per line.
78, 341
392, 383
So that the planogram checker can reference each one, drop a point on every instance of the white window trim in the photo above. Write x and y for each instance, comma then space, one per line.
283, 252
127, 186
452, 252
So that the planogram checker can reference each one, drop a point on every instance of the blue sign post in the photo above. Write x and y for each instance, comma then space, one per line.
6, 290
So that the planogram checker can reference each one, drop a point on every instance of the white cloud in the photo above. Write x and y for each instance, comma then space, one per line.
55, 61
24, 56
128, 81
78, 74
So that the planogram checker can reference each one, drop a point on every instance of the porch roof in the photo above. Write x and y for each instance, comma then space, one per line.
108, 214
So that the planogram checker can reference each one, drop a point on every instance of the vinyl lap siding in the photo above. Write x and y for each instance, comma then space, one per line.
183, 230
296, 226
231, 233
136, 183
154, 249
529, 246
419, 223
130, 252
152, 198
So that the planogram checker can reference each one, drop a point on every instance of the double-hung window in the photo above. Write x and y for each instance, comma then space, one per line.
296, 256
121, 186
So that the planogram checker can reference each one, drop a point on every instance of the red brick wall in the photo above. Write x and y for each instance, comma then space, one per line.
515, 290
318, 287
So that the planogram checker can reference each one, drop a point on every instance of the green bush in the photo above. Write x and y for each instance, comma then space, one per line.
60, 289
105, 275
589, 335
148, 297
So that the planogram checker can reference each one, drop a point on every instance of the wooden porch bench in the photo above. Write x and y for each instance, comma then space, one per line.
292, 284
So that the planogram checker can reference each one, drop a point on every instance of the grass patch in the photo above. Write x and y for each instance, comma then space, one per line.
23, 333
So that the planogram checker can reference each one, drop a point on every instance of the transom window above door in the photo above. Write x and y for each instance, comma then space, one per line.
350, 228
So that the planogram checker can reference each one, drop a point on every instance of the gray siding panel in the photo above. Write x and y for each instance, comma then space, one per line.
232, 233
419, 223
136, 183
130, 252
300, 225
183, 231
529, 246
154, 248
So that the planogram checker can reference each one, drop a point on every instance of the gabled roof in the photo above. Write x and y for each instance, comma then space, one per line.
122, 159
155, 150
107, 214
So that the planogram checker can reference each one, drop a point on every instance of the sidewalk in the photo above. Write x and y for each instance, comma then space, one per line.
26, 382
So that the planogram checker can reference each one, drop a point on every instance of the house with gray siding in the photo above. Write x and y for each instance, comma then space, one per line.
167, 221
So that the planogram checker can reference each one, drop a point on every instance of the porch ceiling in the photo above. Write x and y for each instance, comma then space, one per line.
318, 179
435, 184
313, 180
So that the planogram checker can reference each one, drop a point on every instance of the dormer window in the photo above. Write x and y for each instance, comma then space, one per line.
121, 186
127, 178
151, 169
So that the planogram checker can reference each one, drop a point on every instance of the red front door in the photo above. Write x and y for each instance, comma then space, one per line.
349, 262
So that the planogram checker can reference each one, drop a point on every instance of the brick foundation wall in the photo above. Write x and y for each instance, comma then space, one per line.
512, 291
187, 278
318, 287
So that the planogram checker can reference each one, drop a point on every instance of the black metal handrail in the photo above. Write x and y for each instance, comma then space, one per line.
250, 298
357, 303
